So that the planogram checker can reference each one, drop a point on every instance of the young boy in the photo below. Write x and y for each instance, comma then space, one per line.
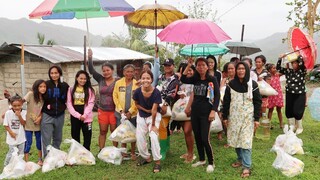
14, 121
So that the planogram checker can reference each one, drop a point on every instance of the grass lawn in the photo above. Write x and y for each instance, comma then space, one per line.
174, 168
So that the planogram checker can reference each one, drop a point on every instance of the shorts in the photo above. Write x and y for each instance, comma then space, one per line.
106, 117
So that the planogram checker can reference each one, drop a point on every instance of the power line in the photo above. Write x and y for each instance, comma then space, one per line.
230, 9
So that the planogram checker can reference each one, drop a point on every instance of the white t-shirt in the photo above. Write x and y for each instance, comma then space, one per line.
12, 121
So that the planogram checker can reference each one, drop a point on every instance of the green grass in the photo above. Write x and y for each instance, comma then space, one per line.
174, 168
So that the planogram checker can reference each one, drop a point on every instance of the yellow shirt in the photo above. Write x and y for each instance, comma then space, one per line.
78, 97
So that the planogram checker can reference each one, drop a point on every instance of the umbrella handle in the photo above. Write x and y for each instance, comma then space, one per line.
297, 50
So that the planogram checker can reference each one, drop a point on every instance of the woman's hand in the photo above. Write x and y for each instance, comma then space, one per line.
188, 112
211, 115
155, 129
90, 53
282, 56
128, 114
225, 123
163, 109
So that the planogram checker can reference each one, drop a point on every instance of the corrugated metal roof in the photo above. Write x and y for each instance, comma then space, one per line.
64, 54
113, 54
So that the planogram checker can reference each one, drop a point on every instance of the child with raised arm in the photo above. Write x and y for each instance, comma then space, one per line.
14, 121
34, 101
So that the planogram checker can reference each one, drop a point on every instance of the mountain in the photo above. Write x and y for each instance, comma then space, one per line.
25, 31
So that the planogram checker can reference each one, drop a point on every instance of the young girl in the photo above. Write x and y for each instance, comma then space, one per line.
80, 103
53, 109
106, 107
14, 122
295, 91
277, 100
187, 89
34, 101
205, 104
147, 100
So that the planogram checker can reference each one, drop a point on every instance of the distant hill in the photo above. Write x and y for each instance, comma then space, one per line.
25, 31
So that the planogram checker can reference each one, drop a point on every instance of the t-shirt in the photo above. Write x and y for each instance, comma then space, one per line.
13, 122
147, 103
33, 111
78, 97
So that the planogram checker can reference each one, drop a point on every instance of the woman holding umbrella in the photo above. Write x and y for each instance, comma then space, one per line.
241, 108
204, 105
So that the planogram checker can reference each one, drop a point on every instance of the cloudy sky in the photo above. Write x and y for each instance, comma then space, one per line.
261, 18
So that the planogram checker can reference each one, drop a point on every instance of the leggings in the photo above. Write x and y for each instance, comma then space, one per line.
295, 105
201, 127
77, 126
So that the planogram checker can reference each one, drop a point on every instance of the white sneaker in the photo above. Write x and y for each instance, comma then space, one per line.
199, 163
210, 169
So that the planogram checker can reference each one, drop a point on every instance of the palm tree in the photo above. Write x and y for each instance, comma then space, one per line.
42, 37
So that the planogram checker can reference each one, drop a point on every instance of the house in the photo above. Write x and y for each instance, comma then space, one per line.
38, 59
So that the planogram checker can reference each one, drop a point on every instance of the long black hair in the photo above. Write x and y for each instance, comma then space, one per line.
215, 61
35, 89
86, 86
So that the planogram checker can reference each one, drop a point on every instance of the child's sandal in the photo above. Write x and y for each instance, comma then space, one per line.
156, 168
142, 162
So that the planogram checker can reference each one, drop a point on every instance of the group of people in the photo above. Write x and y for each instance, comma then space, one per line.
147, 107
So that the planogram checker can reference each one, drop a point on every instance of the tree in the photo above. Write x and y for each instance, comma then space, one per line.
41, 39
201, 9
304, 14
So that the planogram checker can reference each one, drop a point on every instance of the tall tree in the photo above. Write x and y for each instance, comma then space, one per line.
304, 14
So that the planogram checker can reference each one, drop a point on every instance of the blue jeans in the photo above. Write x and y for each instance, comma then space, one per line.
244, 156
29, 140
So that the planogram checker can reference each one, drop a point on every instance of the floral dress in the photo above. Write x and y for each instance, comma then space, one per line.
277, 100
241, 126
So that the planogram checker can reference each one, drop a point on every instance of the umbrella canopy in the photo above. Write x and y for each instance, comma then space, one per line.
193, 31
242, 48
80, 9
154, 16
304, 44
204, 50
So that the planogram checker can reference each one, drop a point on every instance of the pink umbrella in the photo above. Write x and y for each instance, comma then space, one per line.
193, 31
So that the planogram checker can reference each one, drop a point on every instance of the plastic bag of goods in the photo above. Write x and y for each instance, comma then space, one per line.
216, 125
79, 155
288, 165
178, 108
54, 159
289, 141
111, 155
15, 168
265, 89
124, 133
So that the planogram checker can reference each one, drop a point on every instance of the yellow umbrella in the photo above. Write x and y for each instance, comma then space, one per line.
154, 16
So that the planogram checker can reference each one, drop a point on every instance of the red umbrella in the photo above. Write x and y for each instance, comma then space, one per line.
193, 31
303, 43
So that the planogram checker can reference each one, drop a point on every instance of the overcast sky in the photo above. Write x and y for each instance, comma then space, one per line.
261, 18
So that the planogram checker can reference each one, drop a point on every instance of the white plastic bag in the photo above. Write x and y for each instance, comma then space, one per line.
288, 165
54, 159
112, 155
265, 89
216, 125
15, 168
79, 155
178, 108
124, 133
31, 168
289, 141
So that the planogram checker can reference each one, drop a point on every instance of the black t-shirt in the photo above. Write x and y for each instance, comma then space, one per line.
147, 103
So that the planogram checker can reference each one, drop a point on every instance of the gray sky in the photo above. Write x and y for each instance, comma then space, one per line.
261, 18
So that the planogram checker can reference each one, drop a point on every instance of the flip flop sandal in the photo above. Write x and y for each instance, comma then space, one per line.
236, 164
142, 162
156, 168
245, 173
